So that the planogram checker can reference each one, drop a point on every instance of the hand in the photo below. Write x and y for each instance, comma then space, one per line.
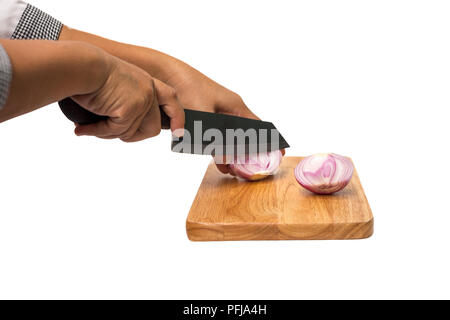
196, 91
131, 99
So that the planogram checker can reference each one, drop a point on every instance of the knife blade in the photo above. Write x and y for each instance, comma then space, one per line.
215, 134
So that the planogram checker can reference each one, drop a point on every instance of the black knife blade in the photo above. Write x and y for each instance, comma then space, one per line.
221, 134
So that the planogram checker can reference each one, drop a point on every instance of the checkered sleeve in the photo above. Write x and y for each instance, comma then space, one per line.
36, 24
5, 75
19, 20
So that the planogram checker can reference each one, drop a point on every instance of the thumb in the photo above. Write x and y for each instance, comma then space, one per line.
171, 105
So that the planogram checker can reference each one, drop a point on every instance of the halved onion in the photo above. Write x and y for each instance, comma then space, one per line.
324, 173
256, 166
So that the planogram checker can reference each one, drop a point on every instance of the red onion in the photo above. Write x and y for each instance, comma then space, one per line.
256, 166
324, 173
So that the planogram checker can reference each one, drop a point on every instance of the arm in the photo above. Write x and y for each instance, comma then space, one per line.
129, 96
41, 70
194, 89
47, 71
19, 20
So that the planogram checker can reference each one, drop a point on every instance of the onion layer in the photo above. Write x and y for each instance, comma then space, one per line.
324, 173
256, 166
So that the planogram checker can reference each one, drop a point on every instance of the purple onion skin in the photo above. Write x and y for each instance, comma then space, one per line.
324, 173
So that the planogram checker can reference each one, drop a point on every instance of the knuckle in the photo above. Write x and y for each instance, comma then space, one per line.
122, 113
173, 93
141, 103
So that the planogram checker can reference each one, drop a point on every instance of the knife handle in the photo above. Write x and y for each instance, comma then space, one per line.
76, 113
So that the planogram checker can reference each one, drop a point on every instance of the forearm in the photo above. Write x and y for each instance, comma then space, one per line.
47, 71
156, 63
194, 89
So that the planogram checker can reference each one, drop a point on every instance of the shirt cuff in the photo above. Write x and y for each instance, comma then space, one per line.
5, 76
36, 24
10, 13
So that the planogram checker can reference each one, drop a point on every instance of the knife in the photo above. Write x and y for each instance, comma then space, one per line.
205, 133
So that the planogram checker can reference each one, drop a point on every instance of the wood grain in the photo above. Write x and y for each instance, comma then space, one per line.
276, 208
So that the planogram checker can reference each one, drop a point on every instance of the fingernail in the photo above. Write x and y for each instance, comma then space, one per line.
178, 133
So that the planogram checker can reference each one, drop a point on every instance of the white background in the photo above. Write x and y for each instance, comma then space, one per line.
87, 218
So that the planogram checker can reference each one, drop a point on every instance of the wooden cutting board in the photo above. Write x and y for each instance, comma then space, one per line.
276, 208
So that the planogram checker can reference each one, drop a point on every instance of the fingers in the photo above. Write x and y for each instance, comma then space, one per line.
231, 103
166, 101
102, 129
111, 128
223, 168
171, 106
176, 115
222, 164
149, 127
144, 126
128, 97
